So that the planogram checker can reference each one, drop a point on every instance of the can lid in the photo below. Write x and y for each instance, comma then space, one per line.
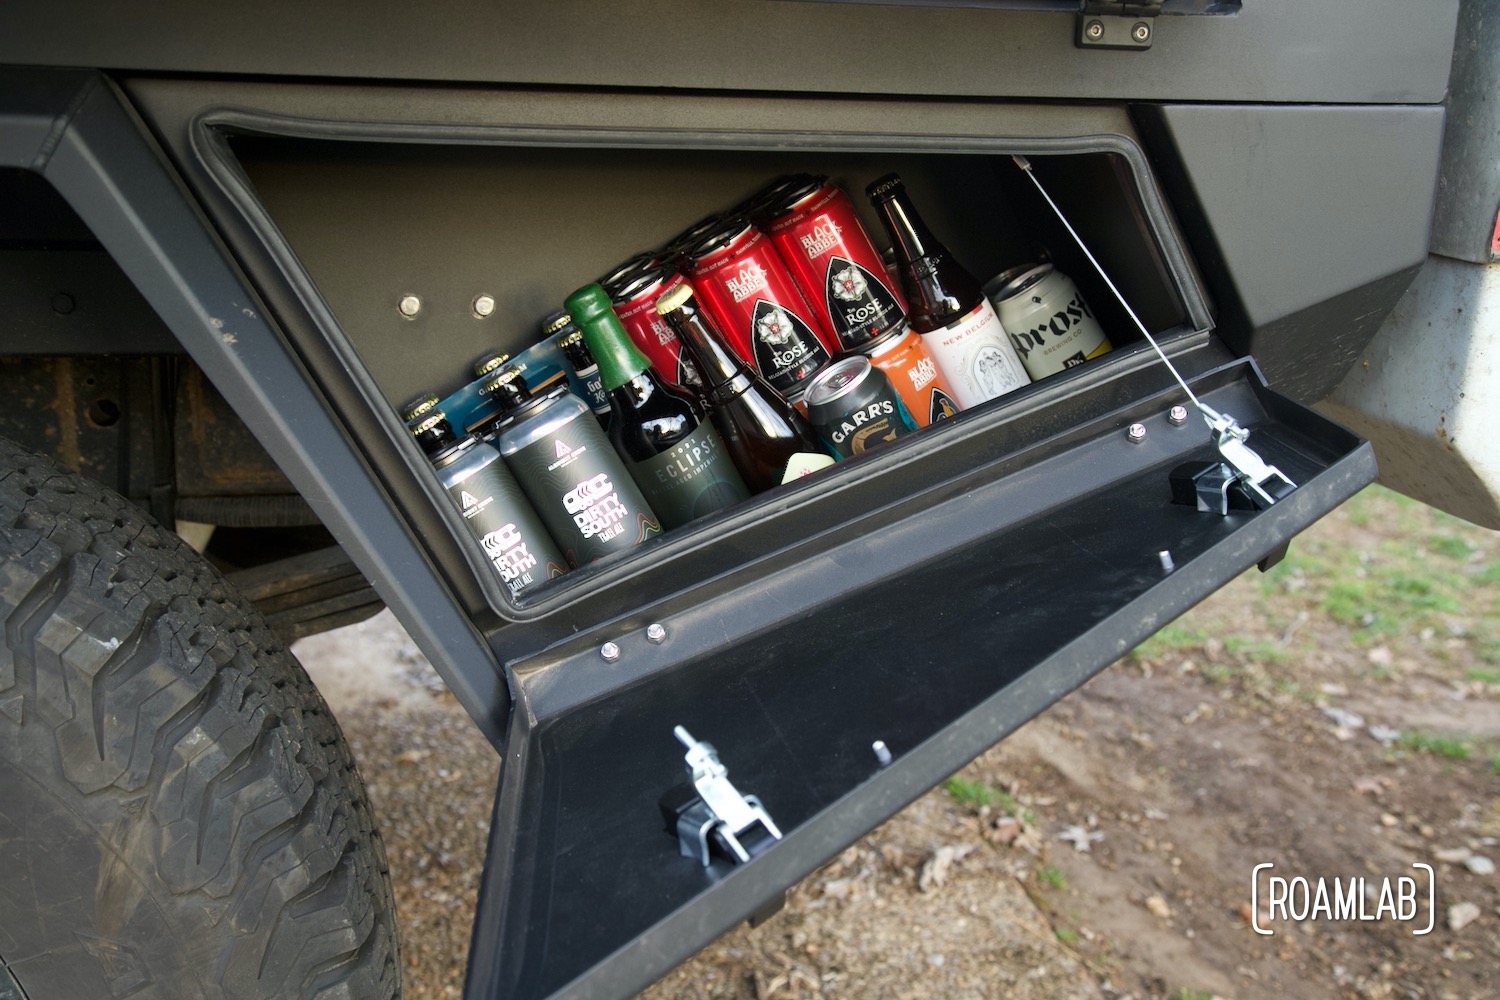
418, 406
694, 233
720, 237
838, 378
1018, 283
629, 264
673, 299
643, 279
885, 188
789, 192
489, 363
556, 321
883, 343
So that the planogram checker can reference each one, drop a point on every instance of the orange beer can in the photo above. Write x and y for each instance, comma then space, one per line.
900, 353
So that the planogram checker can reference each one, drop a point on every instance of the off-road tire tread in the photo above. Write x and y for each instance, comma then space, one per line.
194, 740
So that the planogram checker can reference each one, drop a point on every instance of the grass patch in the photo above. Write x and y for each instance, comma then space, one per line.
1484, 674
1489, 575
977, 794
1052, 876
1067, 935
1451, 747
1174, 638
1450, 545
1257, 649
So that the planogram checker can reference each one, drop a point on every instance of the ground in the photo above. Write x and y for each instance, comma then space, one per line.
1337, 717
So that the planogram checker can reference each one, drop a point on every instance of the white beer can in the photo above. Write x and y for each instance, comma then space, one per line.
1047, 320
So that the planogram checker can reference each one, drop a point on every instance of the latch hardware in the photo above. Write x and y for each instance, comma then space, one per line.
1113, 24
711, 813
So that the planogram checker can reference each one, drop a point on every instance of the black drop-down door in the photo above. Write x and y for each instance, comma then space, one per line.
936, 634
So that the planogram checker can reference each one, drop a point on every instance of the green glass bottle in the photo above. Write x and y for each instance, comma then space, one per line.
678, 461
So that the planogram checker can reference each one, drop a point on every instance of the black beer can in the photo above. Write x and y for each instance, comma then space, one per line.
854, 408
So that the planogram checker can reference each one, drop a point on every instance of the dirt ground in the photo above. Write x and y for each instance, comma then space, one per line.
1337, 717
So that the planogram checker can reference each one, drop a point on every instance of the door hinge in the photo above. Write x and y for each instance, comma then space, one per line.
1117, 24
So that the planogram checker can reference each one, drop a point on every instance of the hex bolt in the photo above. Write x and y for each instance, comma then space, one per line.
656, 632
484, 305
882, 752
1095, 30
1167, 565
410, 305
610, 651
1135, 433
1177, 415
1141, 31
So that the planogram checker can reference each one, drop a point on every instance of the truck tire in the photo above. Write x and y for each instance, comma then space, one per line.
179, 814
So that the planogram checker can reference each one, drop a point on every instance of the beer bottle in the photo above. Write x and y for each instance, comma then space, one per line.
492, 504
568, 471
570, 342
947, 306
769, 441
678, 461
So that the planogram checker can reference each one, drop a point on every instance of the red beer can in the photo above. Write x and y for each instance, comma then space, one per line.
904, 358
836, 267
749, 295
634, 287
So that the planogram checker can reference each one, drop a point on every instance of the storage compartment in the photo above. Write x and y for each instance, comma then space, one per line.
445, 225
930, 595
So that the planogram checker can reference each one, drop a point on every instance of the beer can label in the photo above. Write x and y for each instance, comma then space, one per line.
787, 352
512, 536
915, 377
976, 357
656, 338
1052, 327
871, 425
694, 477
582, 492
859, 304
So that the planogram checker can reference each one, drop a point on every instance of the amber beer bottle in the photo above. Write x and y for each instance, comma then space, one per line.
947, 305
769, 441
678, 462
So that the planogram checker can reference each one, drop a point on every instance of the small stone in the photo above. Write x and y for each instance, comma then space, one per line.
1453, 855
1386, 819
1480, 865
1461, 915
1380, 656
1158, 906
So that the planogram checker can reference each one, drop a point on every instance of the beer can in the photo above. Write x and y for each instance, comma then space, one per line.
745, 288
633, 290
1047, 320
673, 250
904, 358
853, 407
836, 266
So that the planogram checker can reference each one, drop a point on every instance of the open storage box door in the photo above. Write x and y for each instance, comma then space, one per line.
931, 595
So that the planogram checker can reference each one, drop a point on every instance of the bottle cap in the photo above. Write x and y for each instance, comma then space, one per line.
434, 433
885, 188
489, 363
618, 357
508, 389
418, 406
554, 322
673, 299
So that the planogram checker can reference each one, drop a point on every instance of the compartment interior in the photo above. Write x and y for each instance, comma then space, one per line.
373, 222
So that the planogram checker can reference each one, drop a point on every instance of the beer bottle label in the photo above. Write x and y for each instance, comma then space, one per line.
582, 493
513, 538
859, 303
787, 352
941, 406
975, 357
694, 477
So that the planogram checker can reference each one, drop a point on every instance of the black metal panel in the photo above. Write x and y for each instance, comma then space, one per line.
1376, 51
1308, 222
73, 129
1020, 589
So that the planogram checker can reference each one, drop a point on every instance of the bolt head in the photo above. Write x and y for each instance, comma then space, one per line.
656, 632
1178, 415
610, 651
484, 305
1094, 29
410, 305
1135, 433
1141, 31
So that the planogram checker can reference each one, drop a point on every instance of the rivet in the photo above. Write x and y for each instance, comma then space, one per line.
1141, 31
1135, 433
410, 305
656, 632
484, 305
1167, 565
1095, 30
882, 752
610, 651
1178, 415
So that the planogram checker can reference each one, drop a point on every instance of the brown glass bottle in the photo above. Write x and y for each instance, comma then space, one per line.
947, 305
769, 441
